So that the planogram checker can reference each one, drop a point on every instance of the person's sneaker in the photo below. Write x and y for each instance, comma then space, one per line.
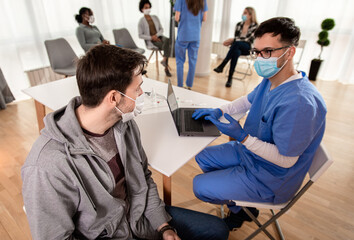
228, 84
218, 70
186, 87
235, 220
168, 74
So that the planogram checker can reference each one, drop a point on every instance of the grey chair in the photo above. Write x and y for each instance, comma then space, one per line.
61, 56
123, 39
320, 164
5, 92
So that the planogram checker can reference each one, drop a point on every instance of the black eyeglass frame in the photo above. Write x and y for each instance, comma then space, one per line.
256, 52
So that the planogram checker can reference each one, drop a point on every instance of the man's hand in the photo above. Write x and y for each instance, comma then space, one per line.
232, 129
170, 235
228, 42
213, 112
106, 42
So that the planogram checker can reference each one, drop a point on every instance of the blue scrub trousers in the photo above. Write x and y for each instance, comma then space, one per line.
225, 178
180, 52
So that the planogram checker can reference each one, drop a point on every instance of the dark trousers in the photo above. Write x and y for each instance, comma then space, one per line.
193, 225
164, 45
237, 49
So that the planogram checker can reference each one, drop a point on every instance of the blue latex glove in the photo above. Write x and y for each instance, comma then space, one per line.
213, 112
232, 129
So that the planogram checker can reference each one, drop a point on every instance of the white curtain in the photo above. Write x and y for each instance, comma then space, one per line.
308, 15
26, 24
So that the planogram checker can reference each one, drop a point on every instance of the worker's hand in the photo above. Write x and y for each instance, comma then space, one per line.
216, 113
106, 42
228, 42
232, 129
170, 235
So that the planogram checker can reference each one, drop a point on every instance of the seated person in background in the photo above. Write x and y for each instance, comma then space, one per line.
150, 29
241, 43
88, 35
285, 125
87, 174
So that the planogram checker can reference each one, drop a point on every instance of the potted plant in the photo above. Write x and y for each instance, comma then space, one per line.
323, 41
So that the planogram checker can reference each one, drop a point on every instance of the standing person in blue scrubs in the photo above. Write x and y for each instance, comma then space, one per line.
189, 14
285, 125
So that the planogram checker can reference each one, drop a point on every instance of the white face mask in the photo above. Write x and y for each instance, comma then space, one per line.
139, 104
147, 11
91, 19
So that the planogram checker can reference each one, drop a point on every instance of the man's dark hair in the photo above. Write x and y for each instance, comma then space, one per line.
283, 26
104, 68
142, 3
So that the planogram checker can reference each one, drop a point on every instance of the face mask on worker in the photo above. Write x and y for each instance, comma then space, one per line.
91, 19
268, 68
244, 18
139, 104
147, 11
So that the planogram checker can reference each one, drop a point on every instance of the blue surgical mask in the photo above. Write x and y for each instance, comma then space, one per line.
244, 18
268, 68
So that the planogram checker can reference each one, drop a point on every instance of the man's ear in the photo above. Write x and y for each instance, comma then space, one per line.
112, 98
292, 51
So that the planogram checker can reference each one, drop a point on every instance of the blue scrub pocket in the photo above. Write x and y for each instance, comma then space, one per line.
265, 131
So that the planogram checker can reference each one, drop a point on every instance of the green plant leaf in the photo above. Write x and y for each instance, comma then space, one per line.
328, 24
326, 43
323, 35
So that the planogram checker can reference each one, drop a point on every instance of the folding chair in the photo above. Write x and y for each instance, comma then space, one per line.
61, 56
123, 38
300, 47
320, 164
242, 74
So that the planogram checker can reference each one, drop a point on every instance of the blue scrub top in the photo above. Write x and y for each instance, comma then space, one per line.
291, 116
189, 25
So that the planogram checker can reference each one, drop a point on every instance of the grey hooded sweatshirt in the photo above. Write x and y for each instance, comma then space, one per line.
66, 187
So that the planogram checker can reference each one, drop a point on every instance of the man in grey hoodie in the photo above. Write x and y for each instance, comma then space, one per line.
87, 175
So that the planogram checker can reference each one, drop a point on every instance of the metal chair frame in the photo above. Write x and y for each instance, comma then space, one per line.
320, 163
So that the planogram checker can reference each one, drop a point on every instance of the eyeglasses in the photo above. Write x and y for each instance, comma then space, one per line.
265, 53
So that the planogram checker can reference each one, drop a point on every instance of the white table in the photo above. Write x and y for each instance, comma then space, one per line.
166, 151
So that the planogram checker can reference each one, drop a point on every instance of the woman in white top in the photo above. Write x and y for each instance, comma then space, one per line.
150, 29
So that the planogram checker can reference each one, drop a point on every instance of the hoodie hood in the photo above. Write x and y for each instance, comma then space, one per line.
62, 125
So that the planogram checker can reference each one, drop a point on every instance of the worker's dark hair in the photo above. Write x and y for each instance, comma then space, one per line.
195, 6
283, 26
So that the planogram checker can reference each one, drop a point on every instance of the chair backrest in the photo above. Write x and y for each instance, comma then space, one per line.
123, 38
60, 53
300, 50
320, 163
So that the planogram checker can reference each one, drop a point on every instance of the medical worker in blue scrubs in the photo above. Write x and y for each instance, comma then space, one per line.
285, 125
189, 14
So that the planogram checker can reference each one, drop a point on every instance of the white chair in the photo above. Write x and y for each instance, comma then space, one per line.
61, 56
300, 47
241, 74
320, 164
